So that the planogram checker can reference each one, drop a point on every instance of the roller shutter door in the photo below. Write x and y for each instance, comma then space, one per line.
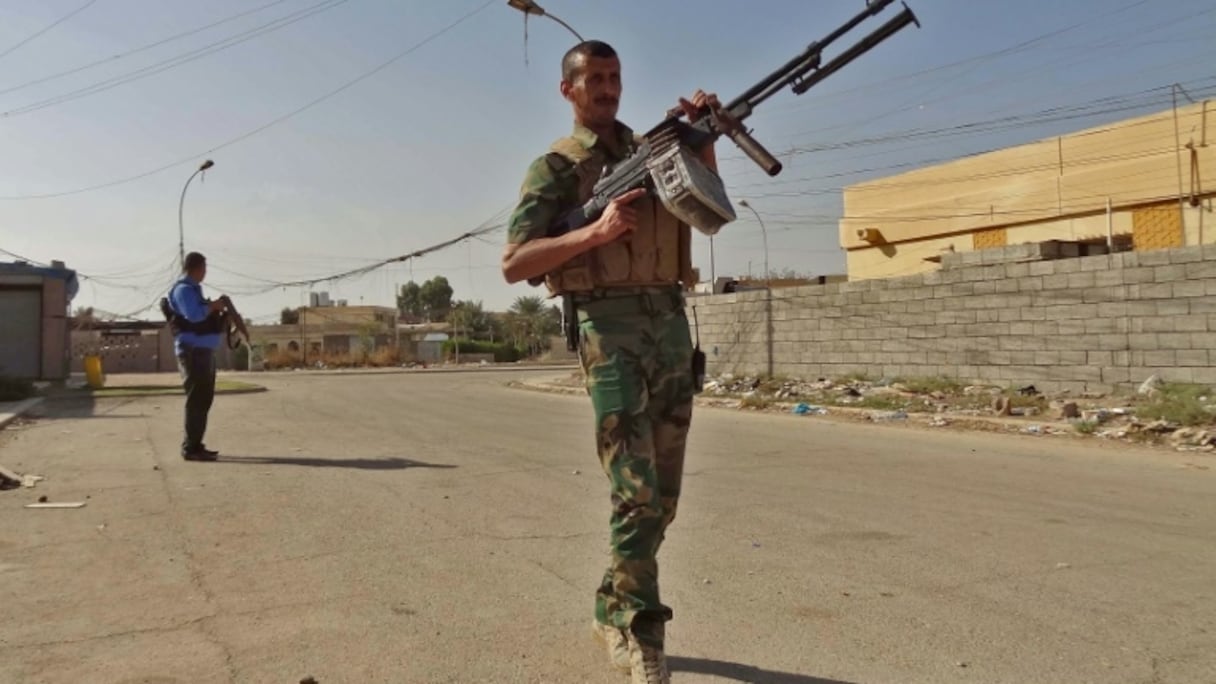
21, 332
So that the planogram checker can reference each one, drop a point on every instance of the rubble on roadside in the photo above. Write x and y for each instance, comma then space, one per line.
1138, 415
942, 402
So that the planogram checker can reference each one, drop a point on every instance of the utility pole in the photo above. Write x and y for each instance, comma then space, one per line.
1174, 90
768, 289
303, 339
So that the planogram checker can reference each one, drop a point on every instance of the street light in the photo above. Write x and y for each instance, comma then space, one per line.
530, 7
768, 290
181, 231
763, 236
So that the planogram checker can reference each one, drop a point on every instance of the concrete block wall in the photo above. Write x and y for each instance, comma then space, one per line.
1016, 315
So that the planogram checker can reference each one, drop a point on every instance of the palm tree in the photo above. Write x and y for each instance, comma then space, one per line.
532, 323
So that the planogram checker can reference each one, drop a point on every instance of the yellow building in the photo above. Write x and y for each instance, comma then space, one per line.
1142, 183
330, 330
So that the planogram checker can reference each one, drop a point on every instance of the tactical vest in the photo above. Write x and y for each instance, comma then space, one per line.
658, 252
213, 324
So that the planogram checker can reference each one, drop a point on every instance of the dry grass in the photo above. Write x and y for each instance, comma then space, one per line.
1180, 404
931, 385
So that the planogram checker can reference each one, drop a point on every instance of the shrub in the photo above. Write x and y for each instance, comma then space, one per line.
1180, 404
502, 351
15, 389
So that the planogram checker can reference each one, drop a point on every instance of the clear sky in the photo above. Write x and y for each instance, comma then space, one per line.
435, 144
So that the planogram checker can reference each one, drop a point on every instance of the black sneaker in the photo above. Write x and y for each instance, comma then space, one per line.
200, 454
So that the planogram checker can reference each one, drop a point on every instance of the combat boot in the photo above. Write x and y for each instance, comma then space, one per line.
614, 640
648, 665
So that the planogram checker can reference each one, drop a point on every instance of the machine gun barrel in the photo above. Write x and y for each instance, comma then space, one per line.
795, 73
809, 59
879, 34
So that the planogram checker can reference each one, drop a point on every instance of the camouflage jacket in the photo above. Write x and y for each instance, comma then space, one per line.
547, 192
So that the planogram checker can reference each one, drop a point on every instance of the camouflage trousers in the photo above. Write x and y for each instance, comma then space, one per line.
636, 353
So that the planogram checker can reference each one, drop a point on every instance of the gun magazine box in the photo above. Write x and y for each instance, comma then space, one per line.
690, 191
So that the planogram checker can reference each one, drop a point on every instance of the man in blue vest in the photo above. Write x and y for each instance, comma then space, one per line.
197, 329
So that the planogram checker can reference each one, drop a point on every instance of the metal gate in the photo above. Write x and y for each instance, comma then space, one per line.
21, 332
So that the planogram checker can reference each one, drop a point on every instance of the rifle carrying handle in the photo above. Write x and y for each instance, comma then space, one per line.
752, 148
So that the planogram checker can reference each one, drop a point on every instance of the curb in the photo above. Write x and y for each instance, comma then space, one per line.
168, 393
504, 368
20, 409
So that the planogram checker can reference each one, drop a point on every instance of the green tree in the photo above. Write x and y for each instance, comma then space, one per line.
436, 296
409, 301
289, 316
469, 319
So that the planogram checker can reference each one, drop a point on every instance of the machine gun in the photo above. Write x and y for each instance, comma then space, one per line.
227, 322
666, 162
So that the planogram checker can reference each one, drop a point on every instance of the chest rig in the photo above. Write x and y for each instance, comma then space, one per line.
657, 253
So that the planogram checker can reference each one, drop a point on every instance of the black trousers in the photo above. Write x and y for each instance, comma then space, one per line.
197, 367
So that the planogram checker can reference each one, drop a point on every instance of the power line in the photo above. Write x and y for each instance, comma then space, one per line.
363, 270
1102, 106
52, 25
910, 78
249, 134
142, 48
978, 62
488, 226
165, 65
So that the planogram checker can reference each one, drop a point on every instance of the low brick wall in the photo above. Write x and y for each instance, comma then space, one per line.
1021, 314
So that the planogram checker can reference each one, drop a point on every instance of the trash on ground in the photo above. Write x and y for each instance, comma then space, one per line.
810, 409
1152, 385
56, 504
11, 480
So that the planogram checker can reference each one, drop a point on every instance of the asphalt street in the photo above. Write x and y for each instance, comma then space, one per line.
427, 527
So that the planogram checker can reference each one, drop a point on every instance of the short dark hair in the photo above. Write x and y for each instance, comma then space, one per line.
192, 261
587, 48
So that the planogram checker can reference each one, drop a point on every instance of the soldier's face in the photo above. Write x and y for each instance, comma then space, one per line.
596, 90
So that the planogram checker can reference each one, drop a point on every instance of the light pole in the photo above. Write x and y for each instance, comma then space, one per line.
768, 290
181, 231
763, 236
530, 7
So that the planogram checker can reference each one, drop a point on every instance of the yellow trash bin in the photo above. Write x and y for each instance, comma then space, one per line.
93, 372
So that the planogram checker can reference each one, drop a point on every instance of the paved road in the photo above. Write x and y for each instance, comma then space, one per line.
432, 528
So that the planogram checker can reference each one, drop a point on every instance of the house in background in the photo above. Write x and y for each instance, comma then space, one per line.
34, 302
329, 330
1144, 183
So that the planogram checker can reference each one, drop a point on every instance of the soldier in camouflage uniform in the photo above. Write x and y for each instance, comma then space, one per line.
626, 273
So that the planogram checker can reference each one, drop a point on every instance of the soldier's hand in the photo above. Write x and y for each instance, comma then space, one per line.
700, 100
618, 217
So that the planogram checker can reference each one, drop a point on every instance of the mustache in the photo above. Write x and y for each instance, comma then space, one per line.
606, 100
